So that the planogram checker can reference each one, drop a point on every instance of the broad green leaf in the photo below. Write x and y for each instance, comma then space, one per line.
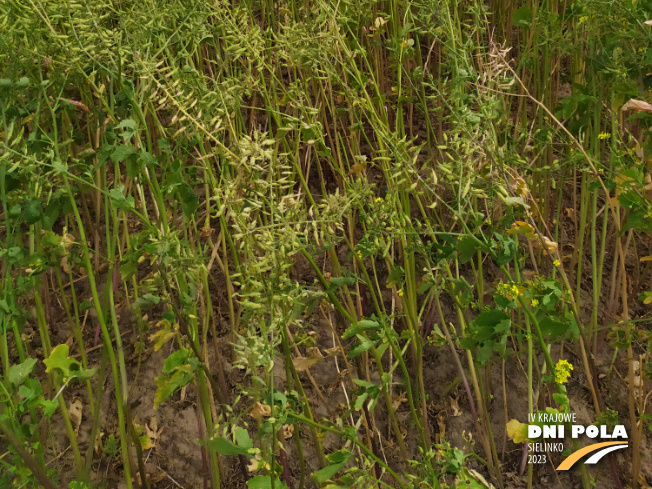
468, 246
177, 359
490, 318
364, 345
122, 152
130, 126
69, 368
147, 301
58, 360
339, 458
337, 282
364, 325
552, 328
49, 406
395, 277
169, 384
242, 437
119, 200
32, 212
18, 373
522, 17
51, 214
146, 159
224, 447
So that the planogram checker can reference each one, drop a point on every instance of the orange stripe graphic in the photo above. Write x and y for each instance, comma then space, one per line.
574, 457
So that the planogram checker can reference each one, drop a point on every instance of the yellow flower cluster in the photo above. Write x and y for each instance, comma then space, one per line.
563, 371
604, 135
509, 291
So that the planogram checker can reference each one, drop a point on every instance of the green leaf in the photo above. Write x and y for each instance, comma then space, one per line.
58, 360
51, 214
265, 482
365, 344
365, 384
506, 249
552, 328
189, 199
468, 246
490, 318
522, 17
147, 301
18, 373
382, 349
177, 359
395, 277
359, 402
146, 159
461, 287
363, 325
339, 458
122, 152
32, 212
26, 392
242, 438
120, 201
178, 371
485, 352
169, 384
69, 368
224, 447
337, 282
49, 407
130, 126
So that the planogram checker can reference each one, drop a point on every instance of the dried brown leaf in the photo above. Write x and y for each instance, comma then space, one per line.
75, 411
639, 105
260, 410
302, 363
454, 406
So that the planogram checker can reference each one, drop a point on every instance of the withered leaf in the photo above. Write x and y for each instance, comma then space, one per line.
302, 363
640, 105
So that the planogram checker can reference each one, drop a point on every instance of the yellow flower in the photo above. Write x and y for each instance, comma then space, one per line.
583, 19
359, 253
400, 292
378, 200
562, 371
604, 135
556, 263
535, 303
509, 291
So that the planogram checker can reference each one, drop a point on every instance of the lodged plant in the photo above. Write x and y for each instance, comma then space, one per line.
306, 244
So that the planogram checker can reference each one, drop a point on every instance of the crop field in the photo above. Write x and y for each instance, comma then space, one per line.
301, 244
